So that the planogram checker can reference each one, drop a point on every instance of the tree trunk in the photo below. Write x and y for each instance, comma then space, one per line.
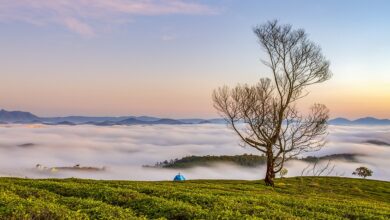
270, 174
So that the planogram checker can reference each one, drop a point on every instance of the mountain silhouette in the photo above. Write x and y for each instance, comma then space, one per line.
17, 116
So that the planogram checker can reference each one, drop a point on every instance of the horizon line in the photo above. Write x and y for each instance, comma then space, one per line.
163, 117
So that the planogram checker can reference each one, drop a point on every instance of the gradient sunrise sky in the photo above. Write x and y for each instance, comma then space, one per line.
164, 57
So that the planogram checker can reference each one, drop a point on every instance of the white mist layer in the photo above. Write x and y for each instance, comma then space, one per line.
124, 149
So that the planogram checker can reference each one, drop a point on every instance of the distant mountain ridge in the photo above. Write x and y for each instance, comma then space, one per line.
27, 117
360, 121
16, 116
135, 121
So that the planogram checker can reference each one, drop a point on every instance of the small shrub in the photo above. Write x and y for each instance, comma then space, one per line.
283, 172
363, 172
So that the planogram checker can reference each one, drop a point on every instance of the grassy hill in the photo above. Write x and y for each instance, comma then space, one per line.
292, 198
245, 160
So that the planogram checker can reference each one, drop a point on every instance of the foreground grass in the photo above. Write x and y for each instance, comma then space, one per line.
292, 198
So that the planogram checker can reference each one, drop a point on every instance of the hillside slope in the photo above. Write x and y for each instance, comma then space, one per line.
292, 198
245, 160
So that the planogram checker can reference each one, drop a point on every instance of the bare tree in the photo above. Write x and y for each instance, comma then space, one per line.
316, 169
264, 115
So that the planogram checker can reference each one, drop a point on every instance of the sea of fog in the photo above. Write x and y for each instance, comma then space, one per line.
122, 150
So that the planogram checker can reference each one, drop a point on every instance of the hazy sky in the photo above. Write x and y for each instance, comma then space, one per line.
164, 57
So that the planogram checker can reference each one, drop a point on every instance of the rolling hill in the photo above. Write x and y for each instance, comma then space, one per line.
292, 198
245, 160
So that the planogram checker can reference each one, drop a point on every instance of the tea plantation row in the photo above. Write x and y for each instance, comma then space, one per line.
292, 198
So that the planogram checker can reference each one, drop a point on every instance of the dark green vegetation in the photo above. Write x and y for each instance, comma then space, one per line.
378, 142
246, 160
363, 172
292, 198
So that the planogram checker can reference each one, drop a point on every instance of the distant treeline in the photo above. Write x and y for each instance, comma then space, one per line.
245, 160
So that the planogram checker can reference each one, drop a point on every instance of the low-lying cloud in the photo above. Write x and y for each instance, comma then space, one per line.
122, 150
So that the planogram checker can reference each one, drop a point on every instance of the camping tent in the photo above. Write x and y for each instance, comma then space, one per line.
179, 177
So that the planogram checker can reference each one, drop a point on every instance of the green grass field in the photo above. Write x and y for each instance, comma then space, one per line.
292, 198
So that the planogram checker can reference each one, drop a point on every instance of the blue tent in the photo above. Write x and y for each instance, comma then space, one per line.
179, 177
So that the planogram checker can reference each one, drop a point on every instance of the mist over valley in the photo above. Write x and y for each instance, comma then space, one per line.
123, 150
